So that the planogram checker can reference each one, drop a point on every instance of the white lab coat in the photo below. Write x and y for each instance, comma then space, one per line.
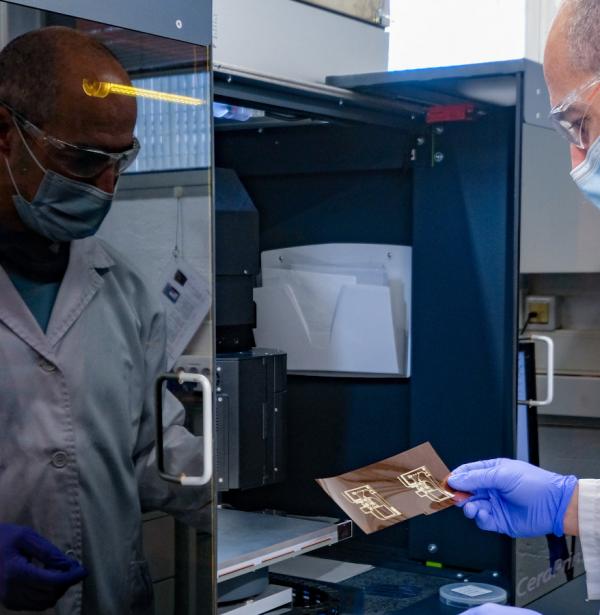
77, 458
589, 534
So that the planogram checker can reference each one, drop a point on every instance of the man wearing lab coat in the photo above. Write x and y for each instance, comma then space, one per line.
513, 497
81, 342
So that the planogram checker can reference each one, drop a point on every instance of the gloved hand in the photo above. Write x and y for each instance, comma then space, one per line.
498, 609
513, 497
25, 585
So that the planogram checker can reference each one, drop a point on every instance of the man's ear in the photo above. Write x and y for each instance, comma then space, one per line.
6, 132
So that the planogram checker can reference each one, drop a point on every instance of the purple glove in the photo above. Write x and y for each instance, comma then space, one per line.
498, 609
25, 585
513, 497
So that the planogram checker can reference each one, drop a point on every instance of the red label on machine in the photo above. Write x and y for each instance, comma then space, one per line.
450, 113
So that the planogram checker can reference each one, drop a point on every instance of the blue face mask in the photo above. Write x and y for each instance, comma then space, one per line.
62, 209
587, 174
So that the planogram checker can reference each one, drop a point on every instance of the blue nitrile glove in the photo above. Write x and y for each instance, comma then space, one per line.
513, 497
33, 586
498, 609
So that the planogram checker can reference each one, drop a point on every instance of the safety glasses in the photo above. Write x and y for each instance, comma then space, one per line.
571, 116
76, 160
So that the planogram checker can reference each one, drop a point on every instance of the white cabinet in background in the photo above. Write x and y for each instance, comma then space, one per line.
560, 231
574, 396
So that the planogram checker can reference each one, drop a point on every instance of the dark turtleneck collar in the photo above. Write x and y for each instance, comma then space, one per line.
33, 256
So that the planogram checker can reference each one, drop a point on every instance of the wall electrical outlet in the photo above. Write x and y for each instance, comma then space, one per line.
542, 313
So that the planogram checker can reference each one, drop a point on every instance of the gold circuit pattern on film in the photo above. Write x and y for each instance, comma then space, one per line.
425, 485
371, 503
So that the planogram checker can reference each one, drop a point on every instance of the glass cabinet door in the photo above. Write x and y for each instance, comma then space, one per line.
106, 314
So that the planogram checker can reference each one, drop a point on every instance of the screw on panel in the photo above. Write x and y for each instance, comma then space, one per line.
495, 574
245, 272
276, 469
276, 410
438, 157
341, 103
219, 389
220, 480
218, 369
439, 130
432, 548
413, 117
260, 131
420, 140
538, 92
219, 399
459, 575
389, 255
229, 78
179, 24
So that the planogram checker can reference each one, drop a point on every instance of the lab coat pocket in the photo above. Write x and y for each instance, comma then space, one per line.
140, 589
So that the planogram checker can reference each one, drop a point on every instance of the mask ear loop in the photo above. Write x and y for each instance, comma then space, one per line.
29, 151
12, 177
10, 173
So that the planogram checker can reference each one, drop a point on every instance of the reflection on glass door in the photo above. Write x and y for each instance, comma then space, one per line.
106, 281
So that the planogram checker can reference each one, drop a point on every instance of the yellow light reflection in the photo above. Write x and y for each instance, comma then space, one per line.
101, 89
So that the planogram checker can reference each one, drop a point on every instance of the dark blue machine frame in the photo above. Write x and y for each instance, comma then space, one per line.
460, 212
465, 320
461, 216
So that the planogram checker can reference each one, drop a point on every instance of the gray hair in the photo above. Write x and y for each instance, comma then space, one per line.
31, 65
583, 32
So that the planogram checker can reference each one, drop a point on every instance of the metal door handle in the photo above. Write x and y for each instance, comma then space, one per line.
207, 422
550, 372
